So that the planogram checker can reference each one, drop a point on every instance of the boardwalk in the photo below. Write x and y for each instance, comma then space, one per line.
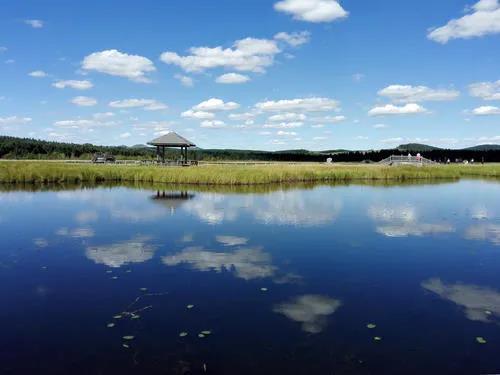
406, 160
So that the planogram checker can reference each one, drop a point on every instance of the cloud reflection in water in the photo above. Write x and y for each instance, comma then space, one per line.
115, 255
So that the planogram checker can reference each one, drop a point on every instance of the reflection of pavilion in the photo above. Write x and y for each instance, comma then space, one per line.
172, 199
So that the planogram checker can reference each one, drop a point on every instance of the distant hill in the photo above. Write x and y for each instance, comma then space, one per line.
483, 148
417, 147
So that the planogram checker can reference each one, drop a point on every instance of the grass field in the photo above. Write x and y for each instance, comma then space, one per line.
54, 172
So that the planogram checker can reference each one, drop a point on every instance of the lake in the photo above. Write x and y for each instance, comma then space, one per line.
345, 279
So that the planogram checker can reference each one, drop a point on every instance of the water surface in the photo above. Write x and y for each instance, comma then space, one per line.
278, 280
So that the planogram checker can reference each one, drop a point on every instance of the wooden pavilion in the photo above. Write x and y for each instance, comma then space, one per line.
173, 140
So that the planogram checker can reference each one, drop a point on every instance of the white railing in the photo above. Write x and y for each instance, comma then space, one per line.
402, 159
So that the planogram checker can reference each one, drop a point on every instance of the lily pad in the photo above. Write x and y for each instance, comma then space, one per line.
117, 316
206, 333
183, 334
263, 289
481, 340
189, 307
125, 346
371, 326
135, 316
128, 338
377, 338
110, 325
201, 335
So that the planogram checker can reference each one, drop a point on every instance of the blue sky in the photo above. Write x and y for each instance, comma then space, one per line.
253, 74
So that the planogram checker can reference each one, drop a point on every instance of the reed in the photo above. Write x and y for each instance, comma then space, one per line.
55, 172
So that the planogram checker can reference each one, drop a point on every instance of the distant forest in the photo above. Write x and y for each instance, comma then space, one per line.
24, 148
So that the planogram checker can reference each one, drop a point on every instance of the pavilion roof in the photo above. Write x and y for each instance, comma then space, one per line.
171, 139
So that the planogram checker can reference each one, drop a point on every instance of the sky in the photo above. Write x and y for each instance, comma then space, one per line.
252, 74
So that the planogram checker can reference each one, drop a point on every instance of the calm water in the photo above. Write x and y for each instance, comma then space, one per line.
100, 281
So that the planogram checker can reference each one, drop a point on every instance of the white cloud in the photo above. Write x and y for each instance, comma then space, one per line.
199, 115
294, 39
283, 133
232, 78
215, 104
483, 19
392, 140
147, 104
284, 125
125, 135
74, 84
250, 54
415, 94
241, 116
287, 116
480, 303
36, 24
74, 124
390, 109
14, 120
330, 119
312, 10
84, 101
320, 138
185, 81
486, 110
103, 115
485, 90
299, 105
38, 74
310, 310
213, 124
116, 63
380, 126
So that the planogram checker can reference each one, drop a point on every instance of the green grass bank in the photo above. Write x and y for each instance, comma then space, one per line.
55, 172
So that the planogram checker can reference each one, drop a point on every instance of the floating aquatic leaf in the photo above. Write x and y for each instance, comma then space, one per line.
135, 316
377, 338
190, 306
183, 334
371, 325
144, 289
125, 346
117, 317
128, 337
263, 289
481, 340
201, 335
110, 325
115, 277
206, 333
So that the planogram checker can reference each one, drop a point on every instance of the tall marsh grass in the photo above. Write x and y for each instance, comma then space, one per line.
54, 172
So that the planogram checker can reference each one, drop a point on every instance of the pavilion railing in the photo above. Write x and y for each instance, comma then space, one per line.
402, 159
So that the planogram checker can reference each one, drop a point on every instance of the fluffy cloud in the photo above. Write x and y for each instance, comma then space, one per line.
485, 90
14, 120
36, 24
116, 63
486, 110
287, 116
84, 101
213, 124
299, 105
284, 125
232, 78
250, 54
330, 119
198, 115
283, 133
479, 303
147, 104
294, 39
483, 19
74, 84
215, 104
312, 10
241, 116
415, 94
38, 74
391, 109
119, 254
125, 135
310, 310
247, 263
184, 80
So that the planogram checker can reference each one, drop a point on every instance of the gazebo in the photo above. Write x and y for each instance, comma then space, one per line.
174, 140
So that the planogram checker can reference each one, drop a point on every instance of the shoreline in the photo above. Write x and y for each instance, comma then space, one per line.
234, 174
